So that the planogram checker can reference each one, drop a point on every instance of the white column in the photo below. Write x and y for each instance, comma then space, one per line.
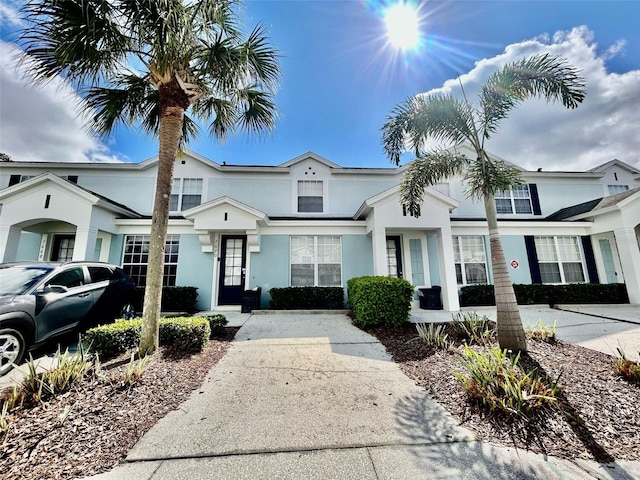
9, 240
85, 244
379, 240
629, 252
450, 300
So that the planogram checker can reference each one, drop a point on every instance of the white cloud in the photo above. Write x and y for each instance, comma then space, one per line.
41, 123
548, 136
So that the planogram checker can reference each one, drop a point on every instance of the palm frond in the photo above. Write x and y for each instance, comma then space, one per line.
257, 112
486, 176
222, 111
427, 170
262, 59
80, 40
546, 76
423, 117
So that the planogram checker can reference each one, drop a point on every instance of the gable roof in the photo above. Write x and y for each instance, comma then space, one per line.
592, 206
89, 195
611, 163
370, 203
310, 155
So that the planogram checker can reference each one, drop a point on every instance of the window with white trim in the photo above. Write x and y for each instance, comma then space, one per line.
514, 200
186, 193
560, 259
316, 260
470, 259
136, 258
310, 196
613, 189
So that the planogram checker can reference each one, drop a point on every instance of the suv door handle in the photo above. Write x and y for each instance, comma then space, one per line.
85, 294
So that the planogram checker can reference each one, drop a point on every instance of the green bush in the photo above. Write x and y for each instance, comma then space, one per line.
380, 300
111, 339
305, 298
529, 294
174, 299
186, 334
217, 323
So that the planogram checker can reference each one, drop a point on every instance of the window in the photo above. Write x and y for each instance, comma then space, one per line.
73, 277
310, 196
100, 274
136, 257
186, 193
613, 189
15, 179
515, 200
560, 259
316, 260
470, 260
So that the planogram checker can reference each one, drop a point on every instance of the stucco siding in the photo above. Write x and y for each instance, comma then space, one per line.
553, 195
29, 247
269, 195
357, 257
195, 269
347, 195
515, 250
270, 267
139, 189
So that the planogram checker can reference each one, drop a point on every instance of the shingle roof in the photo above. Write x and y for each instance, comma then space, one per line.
591, 205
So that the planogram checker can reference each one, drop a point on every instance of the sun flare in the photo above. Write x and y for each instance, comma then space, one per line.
403, 26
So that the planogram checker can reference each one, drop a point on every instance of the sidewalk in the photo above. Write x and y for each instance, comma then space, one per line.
313, 397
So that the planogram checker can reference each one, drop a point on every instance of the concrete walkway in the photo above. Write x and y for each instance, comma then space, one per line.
313, 397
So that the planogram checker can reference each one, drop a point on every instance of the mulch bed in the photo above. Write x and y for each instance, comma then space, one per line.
598, 414
105, 419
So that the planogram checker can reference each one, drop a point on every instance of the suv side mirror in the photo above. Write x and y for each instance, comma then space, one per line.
55, 289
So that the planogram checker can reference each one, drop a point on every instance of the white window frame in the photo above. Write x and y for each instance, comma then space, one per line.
553, 253
139, 260
183, 187
512, 195
460, 253
315, 261
614, 189
299, 193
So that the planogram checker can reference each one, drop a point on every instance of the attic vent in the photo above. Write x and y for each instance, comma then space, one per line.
46, 201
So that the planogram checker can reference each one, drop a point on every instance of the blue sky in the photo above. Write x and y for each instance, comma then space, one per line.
341, 78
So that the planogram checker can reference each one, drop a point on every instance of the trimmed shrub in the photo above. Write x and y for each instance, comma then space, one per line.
186, 334
380, 300
217, 323
482, 295
111, 339
174, 299
306, 298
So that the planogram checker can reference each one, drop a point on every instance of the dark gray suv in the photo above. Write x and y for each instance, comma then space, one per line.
42, 300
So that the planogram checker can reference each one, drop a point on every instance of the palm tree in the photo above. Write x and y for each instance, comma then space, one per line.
147, 63
445, 118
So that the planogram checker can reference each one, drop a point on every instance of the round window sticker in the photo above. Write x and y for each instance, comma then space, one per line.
514, 264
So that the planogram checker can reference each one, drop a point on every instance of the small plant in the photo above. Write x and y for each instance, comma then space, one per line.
472, 327
13, 398
432, 335
134, 372
217, 323
627, 368
64, 415
4, 415
542, 331
497, 382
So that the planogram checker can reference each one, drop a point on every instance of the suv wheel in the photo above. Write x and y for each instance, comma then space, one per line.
12, 348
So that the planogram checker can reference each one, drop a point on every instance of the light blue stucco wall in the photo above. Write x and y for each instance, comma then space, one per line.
29, 247
515, 249
272, 196
553, 195
139, 190
346, 196
115, 249
195, 269
270, 267
357, 257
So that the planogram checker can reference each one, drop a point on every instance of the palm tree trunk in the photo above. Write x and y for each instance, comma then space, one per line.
510, 331
171, 120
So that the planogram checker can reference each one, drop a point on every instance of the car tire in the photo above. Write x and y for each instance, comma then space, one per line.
127, 311
12, 349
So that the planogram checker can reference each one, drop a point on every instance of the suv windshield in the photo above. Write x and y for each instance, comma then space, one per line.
17, 279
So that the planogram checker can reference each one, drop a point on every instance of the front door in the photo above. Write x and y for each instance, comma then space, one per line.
394, 256
607, 259
232, 269
62, 250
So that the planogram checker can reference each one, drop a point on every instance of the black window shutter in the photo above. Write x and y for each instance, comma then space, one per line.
532, 256
535, 200
590, 259
14, 180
